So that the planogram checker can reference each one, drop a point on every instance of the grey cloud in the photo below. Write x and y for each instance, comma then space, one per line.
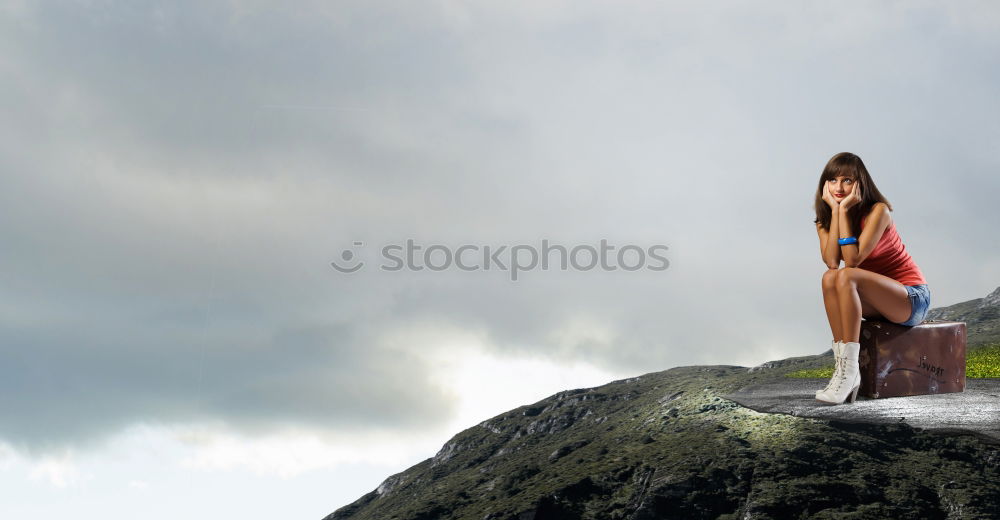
76, 383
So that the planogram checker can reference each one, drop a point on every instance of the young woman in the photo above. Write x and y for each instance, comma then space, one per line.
879, 279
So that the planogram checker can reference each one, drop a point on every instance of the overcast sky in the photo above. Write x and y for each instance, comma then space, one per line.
177, 180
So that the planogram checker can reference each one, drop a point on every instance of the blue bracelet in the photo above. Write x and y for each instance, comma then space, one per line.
847, 241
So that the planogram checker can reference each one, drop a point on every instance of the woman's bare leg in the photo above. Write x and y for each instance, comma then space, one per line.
881, 293
831, 300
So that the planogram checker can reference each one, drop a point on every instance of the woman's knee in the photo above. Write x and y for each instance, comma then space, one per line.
845, 278
830, 279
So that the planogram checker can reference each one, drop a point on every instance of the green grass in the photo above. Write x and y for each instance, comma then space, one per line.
983, 362
825, 373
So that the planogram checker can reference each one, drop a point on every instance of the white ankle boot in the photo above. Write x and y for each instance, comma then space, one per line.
849, 381
837, 346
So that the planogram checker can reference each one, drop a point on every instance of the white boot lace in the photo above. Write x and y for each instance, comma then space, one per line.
838, 371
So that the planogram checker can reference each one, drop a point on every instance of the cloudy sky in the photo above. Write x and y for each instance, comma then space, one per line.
178, 179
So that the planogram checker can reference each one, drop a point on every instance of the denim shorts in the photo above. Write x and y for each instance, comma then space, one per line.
920, 301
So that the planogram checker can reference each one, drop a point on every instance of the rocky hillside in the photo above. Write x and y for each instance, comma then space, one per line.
668, 445
981, 316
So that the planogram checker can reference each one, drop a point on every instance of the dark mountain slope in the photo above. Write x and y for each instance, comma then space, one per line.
668, 445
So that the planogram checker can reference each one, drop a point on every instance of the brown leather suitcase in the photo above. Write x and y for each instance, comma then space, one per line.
897, 361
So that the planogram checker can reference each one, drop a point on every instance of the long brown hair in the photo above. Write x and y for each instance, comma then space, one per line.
850, 166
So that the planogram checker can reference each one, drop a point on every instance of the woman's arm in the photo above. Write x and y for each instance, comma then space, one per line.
878, 219
829, 249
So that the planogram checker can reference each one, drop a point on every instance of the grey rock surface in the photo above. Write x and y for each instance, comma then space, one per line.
975, 411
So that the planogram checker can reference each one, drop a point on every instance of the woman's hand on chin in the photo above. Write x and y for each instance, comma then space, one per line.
829, 198
851, 200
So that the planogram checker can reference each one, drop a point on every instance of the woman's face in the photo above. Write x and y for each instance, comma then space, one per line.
840, 187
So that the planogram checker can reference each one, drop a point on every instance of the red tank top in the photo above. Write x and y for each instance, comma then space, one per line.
890, 258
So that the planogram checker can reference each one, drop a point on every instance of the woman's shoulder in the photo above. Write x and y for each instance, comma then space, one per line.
878, 210
880, 214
